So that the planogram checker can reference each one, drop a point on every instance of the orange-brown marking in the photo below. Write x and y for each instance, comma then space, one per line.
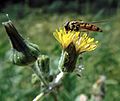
90, 27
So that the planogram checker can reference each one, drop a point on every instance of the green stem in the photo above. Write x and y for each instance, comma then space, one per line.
38, 97
56, 82
37, 71
62, 59
51, 86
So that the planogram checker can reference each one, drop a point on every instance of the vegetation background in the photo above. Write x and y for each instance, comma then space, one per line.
36, 20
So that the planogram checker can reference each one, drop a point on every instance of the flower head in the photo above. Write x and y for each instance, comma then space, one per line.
82, 42
73, 44
64, 38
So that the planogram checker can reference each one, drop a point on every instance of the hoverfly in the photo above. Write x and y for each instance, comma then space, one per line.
79, 25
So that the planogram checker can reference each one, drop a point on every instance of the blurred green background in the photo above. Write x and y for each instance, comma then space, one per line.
36, 20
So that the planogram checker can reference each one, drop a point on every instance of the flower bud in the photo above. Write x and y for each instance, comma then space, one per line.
23, 52
43, 64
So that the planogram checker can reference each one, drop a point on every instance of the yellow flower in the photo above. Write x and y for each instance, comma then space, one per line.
82, 42
63, 37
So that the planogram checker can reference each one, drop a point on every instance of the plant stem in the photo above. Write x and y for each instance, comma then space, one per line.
36, 70
56, 82
38, 97
51, 86
61, 61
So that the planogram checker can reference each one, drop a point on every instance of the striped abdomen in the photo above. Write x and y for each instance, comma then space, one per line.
90, 27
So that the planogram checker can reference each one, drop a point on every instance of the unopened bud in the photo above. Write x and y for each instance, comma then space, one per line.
23, 52
43, 64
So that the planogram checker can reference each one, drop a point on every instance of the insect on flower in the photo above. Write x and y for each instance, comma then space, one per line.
75, 25
73, 46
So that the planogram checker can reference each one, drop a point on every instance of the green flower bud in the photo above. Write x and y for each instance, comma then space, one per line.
43, 64
23, 52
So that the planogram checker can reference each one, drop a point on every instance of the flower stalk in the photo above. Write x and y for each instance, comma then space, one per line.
37, 71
